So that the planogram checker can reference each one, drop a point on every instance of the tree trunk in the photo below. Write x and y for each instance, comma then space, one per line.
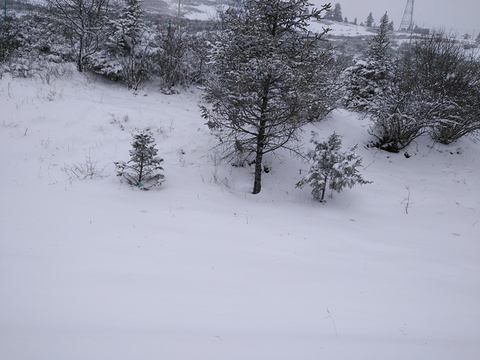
257, 185
323, 190
80, 56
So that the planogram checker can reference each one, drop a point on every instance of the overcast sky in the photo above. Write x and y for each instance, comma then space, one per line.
461, 16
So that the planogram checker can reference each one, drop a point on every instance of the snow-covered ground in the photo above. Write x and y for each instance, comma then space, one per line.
200, 268
341, 29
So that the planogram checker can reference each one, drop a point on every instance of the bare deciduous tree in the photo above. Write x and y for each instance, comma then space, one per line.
84, 20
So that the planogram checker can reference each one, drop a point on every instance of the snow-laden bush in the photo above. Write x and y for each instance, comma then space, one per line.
143, 168
331, 167
449, 79
432, 86
182, 57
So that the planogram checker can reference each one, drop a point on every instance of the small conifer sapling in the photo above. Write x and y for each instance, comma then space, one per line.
331, 167
143, 168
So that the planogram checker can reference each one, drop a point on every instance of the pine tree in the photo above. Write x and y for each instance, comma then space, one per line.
380, 43
128, 28
127, 45
369, 22
368, 78
337, 13
271, 77
331, 167
142, 170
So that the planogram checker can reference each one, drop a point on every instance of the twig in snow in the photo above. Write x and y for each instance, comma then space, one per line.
333, 322
406, 201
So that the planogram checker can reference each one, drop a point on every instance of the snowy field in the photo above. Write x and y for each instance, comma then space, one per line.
200, 268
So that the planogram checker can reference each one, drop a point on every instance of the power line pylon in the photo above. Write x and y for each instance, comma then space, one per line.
407, 20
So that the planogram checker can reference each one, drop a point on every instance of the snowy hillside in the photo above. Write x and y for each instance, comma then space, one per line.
200, 268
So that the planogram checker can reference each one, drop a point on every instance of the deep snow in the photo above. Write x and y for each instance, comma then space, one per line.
200, 268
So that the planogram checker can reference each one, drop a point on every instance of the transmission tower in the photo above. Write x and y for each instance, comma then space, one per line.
407, 20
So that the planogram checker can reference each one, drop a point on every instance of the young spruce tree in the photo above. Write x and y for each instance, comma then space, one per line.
271, 77
331, 167
142, 170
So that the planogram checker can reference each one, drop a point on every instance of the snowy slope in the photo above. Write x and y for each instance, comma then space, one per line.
200, 268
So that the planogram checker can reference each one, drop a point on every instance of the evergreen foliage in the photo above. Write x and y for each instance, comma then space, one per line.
337, 13
376, 87
125, 55
331, 167
10, 38
431, 86
271, 77
142, 170
369, 78
128, 28
369, 22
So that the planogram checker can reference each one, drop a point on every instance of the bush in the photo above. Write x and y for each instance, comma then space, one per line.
182, 57
432, 86
435, 89
449, 77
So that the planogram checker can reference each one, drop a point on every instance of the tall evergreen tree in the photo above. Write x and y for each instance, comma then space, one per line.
337, 13
369, 22
380, 43
127, 43
271, 77
370, 77
128, 28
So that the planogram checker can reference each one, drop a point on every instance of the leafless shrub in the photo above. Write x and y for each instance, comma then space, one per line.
89, 169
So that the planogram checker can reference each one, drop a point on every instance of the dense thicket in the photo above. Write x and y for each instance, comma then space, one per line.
429, 85
114, 39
